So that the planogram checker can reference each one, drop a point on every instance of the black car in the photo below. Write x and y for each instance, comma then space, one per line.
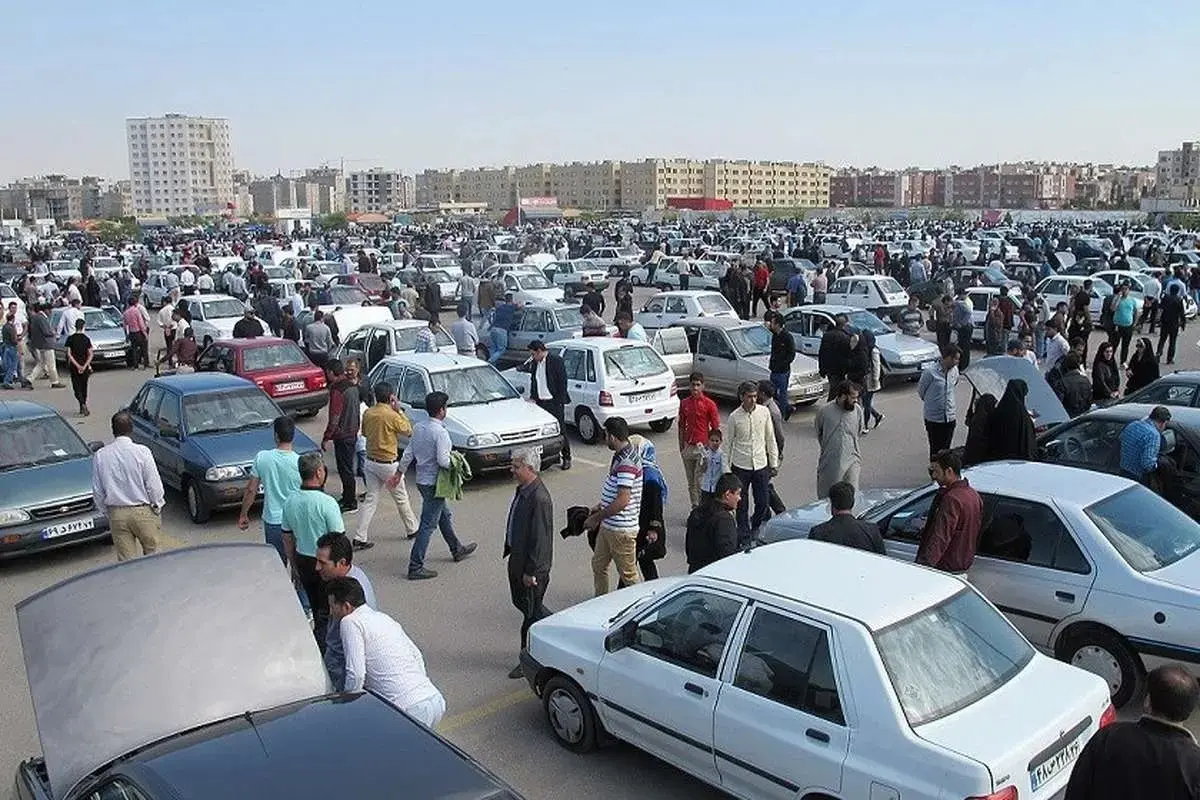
180, 700
782, 270
1180, 388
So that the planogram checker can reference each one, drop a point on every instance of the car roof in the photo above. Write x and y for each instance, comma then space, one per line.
874, 590
1184, 415
1181, 376
1046, 482
249, 344
210, 298
715, 322
599, 343
24, 409
686, 293
823, 308
433, 362
197, 382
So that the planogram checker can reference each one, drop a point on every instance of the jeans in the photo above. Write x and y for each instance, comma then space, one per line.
779, 380
528, 600
868, 407
756, 482
343, 452
9, 360
1122, 334
965, 335
499, 343
434, 511
1168, 336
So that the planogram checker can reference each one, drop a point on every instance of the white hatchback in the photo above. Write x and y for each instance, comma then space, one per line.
666, 308
805, 669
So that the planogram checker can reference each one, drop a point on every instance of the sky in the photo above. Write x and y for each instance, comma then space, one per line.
416, 85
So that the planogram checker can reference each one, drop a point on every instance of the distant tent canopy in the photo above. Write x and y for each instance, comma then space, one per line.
518, 215
368, 218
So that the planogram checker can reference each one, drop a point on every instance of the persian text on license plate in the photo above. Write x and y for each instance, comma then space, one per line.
1039, 775
638, 398
294, 386
65, 528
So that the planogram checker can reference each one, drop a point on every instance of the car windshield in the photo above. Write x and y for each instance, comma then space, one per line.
569, 318
98, 320
866, 321
43, 440
752, 340
1145, 529
437, 276
950, 656
221, 309
277, 272
329, 268
347, 296
634, 362
473, 385
404, 340
234, 410
890, 286
273, 356
528, 281
995, 275
444, 262
713, 303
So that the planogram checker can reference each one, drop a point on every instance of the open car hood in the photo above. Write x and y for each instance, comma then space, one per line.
990, 375
132, 653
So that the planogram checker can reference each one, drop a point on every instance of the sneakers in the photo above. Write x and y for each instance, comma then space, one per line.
362, 544
422, 574
58, 385
465, 552
348, 508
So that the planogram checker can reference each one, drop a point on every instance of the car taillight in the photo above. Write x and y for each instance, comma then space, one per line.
1007, 793
315, 381
606, 399
1109, 716
266, 386
674, 390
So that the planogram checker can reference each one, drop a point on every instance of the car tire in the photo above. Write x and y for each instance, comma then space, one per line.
662, 425
588, 427
1105, 653
570, 715
198, 510
635, 280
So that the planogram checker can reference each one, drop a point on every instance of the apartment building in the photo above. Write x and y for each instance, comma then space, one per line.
1178, 174
331, 189
767, 184
180, 165
592, 185
55, 197
379, 190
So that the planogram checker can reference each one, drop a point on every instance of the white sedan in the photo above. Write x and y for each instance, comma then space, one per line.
805, 670
666, 308
529, 286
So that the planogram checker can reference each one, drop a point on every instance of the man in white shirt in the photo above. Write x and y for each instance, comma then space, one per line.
73, 294
187, 280
66, 322
463, 331
166, 318
751, 453
205, 283
126, 484
1057, 346
335, 559
379, 655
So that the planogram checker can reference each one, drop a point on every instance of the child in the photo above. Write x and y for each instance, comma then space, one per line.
714, 465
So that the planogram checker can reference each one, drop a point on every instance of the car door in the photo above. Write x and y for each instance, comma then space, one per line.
805, 329
379, 345
779, 724
1093, 444
1029, 564
579, 388
660, 692
144, 410
167, 444
901, 529
1184, 490
651, 315
412, 389
839, 292
534, 327
716, 359
674, 309
355, 346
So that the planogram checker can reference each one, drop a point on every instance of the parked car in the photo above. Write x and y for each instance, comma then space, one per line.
530, 286
1084, 564
157, 288
991, 375
666, 308
731, 351
900, 355
617, 260
277, 366
1056, 289
673, 347
782, 270
981, 297
417, 278
46, 497
446, 262
204, 430
1181, 388
375, 341
109, 344
486, 417
375, 286
93, 642
213, 316
810, 670
610, 378
575, 276
701, 275
541, 322
349, 318
878, 293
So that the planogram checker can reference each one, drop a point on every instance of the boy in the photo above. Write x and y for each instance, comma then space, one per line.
714, 465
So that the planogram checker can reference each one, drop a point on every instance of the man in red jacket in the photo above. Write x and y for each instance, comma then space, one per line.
951, 532
342, 430
762, 278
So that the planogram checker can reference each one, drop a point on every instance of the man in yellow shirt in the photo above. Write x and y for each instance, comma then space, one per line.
382, 426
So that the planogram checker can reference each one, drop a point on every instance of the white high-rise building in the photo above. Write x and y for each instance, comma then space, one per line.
180, 165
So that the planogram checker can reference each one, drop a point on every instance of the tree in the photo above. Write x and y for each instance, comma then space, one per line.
333, 222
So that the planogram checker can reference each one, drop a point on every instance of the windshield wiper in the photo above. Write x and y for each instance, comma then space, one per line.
247, 427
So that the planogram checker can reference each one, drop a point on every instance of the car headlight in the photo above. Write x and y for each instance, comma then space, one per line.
909, 358
483, 440
13, 516
550, 429
224, 473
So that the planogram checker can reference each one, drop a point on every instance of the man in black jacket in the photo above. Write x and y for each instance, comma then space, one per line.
593, 299
1154, 758
783, 353
548, 388
833, 359
1172, 319
1076, 387
529, 542
843, 527
711, 527
248, 327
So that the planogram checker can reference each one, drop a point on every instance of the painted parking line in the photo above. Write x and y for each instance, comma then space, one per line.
471, 716
588, 461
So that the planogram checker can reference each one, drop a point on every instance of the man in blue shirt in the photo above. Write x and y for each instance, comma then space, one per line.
797, 289
502, 318
1140, 443
276, 474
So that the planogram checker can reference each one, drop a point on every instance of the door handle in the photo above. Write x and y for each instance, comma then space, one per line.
817, 735
1066, 597
694, 689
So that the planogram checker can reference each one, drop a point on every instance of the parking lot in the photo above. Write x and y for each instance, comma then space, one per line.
463, 621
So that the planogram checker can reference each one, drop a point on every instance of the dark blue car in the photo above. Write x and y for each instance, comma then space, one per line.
45, 481
204, 430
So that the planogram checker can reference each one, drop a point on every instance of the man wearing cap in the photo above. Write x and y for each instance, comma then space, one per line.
548, 388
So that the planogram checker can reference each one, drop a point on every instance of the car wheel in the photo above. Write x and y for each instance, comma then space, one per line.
1104, 653
662, 425
635, 280
198, 510
585, 423
570, 714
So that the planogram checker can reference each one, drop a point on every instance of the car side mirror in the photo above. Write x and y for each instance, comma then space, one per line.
1168, 441
168, 431
95, 446
621, 638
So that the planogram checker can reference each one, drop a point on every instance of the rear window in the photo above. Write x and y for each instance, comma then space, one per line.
634, 362
672, 341
713, 303
1145, 529
948, 657
569, 318
284, 354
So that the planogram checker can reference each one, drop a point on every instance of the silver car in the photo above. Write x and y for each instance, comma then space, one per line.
574, 276
1095, 569
542, 323
109, 345
900, 355
374, 342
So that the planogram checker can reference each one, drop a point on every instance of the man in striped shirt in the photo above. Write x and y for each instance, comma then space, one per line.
618, 512
427, 337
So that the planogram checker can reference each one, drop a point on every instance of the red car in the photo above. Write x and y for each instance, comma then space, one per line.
277, 366
369, 282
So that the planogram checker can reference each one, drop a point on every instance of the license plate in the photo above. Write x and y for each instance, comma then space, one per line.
294, 386
1042, 773
638, 398
68, 527
111, 354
